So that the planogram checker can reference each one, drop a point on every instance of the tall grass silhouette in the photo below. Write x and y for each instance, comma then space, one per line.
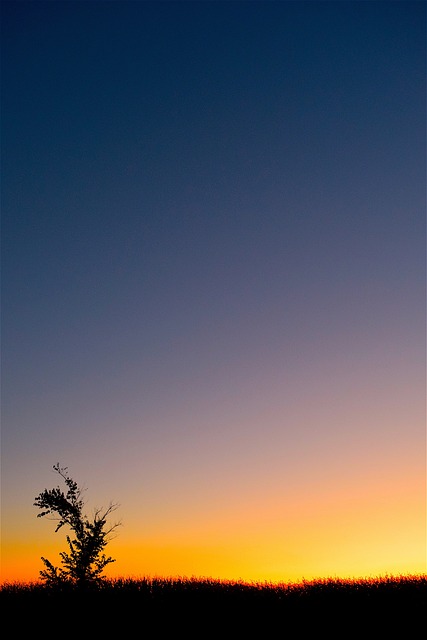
206, 607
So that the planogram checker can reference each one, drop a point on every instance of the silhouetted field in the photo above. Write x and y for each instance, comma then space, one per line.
199, 607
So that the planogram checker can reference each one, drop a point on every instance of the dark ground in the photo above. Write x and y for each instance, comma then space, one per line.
203, 608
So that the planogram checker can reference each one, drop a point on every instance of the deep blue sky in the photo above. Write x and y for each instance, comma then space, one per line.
208, 210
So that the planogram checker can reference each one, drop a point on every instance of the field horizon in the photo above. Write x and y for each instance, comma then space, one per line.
197, 605
303, 583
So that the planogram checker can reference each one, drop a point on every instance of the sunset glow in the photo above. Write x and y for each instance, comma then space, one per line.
213, 284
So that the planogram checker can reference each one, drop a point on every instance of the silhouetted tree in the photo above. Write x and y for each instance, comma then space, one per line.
85, 561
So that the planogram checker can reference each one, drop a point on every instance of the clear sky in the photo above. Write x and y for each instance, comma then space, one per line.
213, 283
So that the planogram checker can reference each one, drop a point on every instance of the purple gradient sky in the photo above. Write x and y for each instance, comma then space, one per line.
213, 249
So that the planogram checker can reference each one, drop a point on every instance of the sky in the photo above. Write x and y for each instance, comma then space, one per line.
213, 283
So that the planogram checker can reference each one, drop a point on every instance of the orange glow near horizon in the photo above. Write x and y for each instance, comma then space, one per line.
214, 286
339, 534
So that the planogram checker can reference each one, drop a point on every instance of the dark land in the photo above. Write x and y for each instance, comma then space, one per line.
199, 608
